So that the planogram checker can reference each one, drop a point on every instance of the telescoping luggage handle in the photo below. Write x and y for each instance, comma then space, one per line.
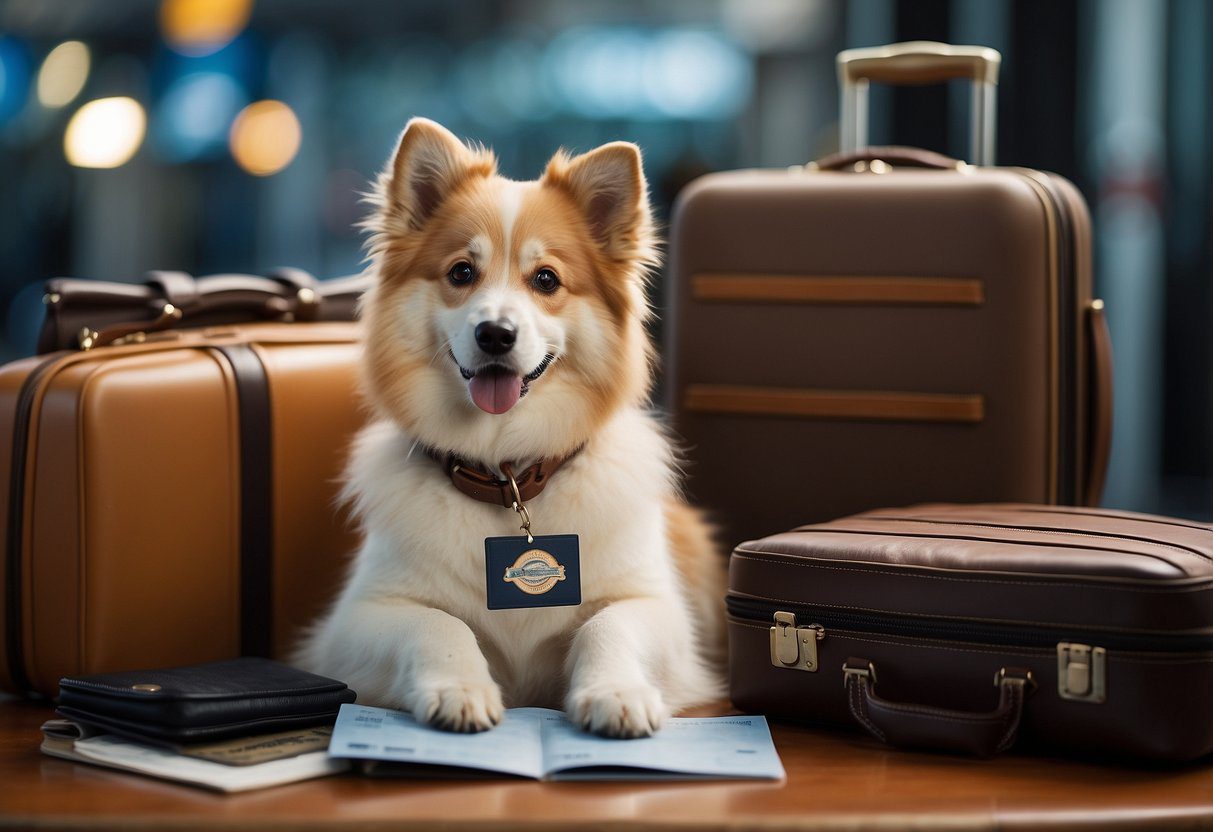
919, 62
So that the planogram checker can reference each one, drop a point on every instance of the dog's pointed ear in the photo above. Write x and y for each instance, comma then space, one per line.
430, 163
608, 185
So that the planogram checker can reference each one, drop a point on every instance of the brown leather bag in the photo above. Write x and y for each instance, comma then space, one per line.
94, 313
970, 628
170, 476
886, 326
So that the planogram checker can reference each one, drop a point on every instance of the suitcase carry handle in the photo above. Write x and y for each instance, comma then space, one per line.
923, 726
914, 157
919, 62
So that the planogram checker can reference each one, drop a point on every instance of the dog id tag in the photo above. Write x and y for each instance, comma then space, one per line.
544, 571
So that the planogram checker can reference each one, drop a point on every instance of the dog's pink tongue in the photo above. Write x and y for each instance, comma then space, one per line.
495, 392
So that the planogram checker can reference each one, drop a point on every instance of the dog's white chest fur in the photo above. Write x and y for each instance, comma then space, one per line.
425, 546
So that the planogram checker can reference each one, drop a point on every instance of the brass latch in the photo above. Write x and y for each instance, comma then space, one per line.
792, 646
1081, 673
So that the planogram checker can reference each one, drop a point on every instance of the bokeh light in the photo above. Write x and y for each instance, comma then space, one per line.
14, 76
105, 133
195, 114
265, 137
697, 75
613, 71
63, 74
503, 79
200, 27
600, 70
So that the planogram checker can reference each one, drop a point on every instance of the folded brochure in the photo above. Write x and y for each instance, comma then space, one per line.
243, 764
542, 744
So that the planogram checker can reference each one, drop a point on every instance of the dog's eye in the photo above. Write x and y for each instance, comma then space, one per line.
546, 281
462, 273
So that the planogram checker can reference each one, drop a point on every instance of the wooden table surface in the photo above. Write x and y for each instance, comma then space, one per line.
835, 781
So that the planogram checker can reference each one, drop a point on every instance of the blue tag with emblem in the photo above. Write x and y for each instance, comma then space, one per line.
543, 572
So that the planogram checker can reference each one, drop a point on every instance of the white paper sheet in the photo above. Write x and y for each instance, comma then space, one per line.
110, 751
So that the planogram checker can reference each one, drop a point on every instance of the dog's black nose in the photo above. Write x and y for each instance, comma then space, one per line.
496, 337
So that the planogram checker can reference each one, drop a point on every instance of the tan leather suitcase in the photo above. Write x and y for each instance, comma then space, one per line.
971, 628
169, 491
886, 326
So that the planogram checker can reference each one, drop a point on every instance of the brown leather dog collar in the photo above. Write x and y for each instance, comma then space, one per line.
484, 486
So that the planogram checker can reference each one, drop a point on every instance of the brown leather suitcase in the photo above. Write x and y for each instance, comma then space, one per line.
169, 480
965, 627
886, 326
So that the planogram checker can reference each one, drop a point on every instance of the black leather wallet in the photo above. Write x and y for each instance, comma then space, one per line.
202, 702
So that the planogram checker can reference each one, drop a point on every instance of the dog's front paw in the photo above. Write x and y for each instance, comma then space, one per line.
618, 711
467, 707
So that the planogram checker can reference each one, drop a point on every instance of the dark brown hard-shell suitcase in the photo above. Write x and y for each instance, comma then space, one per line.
886, 326
970, 628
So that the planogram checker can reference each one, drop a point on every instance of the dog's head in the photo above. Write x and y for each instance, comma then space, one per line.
508, 317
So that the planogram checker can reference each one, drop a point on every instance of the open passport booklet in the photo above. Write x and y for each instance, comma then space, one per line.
530, 742
542, 744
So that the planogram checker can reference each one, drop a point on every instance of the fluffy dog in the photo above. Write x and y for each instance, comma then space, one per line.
508, 326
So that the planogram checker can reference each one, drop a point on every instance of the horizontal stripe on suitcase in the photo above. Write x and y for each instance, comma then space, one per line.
836, 404
790, 288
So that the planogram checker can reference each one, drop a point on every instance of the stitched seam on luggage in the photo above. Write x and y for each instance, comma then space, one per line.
925, 643
1126, 516
1060, 532
927, 712
1125, 657
1010, 723
1043, 543
860, 711
973, 581
82, 609
14, 566
1044, 652
232, 414
974, 538
1054, 312
934, 712
931, 618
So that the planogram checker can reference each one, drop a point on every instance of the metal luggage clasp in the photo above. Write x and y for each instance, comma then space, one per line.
792, 646
1081, 672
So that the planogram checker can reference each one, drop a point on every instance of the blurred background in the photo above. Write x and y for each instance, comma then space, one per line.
237, 135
